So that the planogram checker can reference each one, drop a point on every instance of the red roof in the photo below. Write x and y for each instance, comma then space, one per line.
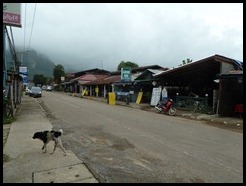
87, 78
105, 80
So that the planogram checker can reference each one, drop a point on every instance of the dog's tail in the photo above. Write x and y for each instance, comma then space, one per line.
61, 131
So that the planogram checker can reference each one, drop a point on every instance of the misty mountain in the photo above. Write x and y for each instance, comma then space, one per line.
38, 64
35, 62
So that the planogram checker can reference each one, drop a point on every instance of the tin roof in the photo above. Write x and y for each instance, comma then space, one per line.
105, 80
195, 73
140, 69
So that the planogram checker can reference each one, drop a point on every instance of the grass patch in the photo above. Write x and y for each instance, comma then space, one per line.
6, 158
8, 120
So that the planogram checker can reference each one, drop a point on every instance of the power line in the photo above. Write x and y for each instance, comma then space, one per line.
25, 30
32, 26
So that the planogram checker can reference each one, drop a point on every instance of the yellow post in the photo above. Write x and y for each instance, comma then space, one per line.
111, 98
140, 95
83, 93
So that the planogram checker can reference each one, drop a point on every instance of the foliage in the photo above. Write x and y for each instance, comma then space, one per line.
5, 104
39, 79
6, 158
8, 120
188, 60
58, 72
127, 64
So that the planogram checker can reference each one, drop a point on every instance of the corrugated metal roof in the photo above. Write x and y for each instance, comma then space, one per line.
195, 73
152, 71
105, 80
141, 69
85, 77
91, 71
83, 82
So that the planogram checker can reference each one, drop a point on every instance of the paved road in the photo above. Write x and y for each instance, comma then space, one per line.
23, 159
122, 144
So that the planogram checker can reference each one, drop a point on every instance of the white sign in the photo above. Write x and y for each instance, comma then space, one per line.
156, 96
23, 70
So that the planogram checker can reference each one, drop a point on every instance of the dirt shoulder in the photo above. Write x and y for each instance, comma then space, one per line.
229, 123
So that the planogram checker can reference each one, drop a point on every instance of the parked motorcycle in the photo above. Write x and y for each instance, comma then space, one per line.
166, 106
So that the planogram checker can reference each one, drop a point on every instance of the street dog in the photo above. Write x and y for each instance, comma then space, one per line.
48, 136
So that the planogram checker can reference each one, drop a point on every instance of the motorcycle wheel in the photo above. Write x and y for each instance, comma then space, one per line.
172, 111
158, 110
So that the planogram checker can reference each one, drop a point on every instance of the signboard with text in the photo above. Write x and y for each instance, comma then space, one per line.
156, 96
23, 70
23, 74
126, 74
12, 14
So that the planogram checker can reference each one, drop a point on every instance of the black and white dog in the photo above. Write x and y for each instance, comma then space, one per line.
47, 136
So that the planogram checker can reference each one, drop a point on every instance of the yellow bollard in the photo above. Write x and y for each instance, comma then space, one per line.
111, 98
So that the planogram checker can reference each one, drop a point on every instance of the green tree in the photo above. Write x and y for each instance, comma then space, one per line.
127, 64
39, 79
58, 72
188, 60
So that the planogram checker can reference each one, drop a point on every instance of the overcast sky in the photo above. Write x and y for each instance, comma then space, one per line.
101, 35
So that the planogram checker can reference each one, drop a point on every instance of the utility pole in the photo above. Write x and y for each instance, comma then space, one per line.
4, 57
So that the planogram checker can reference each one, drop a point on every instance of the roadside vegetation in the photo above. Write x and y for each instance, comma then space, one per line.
6, 158
8, 120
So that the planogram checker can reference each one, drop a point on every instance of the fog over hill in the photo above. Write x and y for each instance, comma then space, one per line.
38, 63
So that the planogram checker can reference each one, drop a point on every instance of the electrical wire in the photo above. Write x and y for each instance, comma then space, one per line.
25, 29
32, 26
